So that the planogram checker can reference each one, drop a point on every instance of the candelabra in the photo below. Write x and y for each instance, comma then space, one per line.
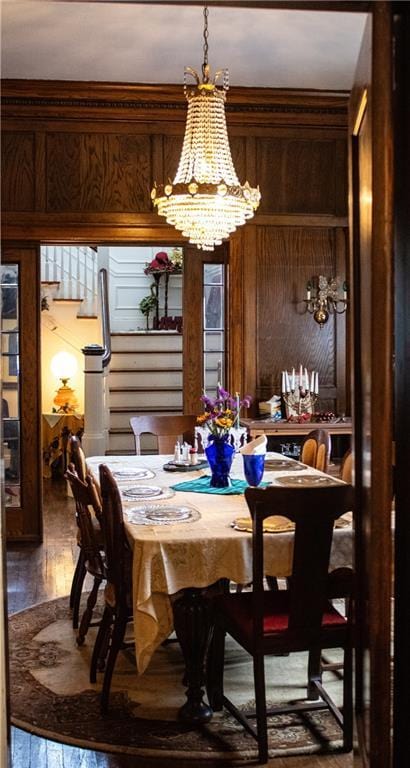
300, 392
322, 299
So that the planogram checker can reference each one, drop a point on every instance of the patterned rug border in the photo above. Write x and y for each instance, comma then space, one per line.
48, 611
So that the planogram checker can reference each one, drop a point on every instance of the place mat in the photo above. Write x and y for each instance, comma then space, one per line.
134, 474
171, 466
202, 485
312, 481
283, 465
143, 492
276, 524
161, 514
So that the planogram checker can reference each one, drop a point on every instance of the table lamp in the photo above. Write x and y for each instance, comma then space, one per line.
63, 366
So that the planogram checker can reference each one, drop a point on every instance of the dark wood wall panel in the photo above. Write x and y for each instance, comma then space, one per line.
79, 163
98, 172
17, 177
172, 146
300, 176
287, 258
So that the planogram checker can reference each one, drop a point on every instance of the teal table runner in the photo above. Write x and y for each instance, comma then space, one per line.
201, 485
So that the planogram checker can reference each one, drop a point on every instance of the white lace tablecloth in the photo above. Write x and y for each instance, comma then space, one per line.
196, 554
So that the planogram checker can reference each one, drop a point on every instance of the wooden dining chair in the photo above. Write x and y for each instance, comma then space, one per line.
346, 469
315, 449
77, 459
86, 498
167, 429
300, 618
118, 591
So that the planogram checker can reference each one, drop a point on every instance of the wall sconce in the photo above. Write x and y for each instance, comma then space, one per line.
322, 298
63, 367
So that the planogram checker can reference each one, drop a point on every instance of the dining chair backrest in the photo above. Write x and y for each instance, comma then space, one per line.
77, 457
117, 550
168, 429
85, 496
313, 511
346, 471
315, 449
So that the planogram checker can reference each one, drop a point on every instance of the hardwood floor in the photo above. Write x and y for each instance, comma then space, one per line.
35, 574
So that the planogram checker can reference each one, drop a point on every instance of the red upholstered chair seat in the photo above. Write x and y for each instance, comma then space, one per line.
238, 611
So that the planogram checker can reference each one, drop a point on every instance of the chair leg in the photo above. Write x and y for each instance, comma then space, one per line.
88, 613
314, 672
100, 642
117, 638
215, 669
78, 569
347, 701
77, 593
260, 700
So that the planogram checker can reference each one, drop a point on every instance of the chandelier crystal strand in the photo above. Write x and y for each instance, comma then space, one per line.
206, 201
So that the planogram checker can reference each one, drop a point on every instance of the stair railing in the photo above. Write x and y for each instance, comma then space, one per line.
74, 268
96, 365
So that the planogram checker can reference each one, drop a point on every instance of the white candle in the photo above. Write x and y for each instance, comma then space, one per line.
306, 380
287, 381
316, 383
293, 380
312, 382
283, 382
300, 376
237, 409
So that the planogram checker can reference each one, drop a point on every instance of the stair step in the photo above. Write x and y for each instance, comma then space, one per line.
122, 379
151, 342
146, 399
160, 359
146, 412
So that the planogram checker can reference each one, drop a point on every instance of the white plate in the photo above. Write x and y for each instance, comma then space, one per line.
157, 514
134, 474
296, 481
141, 491
146, 492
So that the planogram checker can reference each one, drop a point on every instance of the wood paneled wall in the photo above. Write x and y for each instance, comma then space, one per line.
79, 160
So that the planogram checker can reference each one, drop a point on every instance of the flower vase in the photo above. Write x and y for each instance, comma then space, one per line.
219, 453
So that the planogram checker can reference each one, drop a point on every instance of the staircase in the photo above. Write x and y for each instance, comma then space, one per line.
69, 274
145, 377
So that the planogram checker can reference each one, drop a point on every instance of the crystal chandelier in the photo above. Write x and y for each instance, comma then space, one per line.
205, 201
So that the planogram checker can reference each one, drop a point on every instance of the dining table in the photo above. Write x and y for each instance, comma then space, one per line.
187, 543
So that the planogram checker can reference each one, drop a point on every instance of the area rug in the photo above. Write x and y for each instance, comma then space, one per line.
52, 697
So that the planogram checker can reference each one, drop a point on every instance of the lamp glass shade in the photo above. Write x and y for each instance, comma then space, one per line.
63, 365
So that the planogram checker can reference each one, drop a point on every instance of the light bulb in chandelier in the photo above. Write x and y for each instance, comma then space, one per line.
205, 201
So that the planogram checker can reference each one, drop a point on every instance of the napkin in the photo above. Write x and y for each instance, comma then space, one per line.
255, 446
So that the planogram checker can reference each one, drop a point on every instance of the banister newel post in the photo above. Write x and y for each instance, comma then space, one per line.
95, 439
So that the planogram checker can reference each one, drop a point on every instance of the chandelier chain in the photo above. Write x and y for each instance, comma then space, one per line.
206, 35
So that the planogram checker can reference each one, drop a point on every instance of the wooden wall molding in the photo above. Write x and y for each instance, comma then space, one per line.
67, 100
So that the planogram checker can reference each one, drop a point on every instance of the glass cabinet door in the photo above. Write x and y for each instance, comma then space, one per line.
10, 373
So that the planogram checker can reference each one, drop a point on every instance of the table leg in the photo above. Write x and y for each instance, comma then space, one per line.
192, 621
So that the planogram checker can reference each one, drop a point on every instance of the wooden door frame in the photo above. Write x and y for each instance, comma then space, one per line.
25, 523
401, 694
373, 428
192, 322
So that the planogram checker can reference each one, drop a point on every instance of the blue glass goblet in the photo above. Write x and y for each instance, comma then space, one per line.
253, 467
